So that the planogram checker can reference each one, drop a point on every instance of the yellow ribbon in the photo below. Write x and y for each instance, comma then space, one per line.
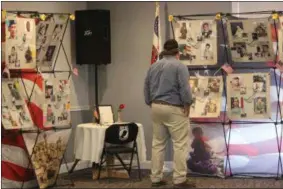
275, 16
17, 85
218, 16
4, 13
170, 18
42, 17
72, 17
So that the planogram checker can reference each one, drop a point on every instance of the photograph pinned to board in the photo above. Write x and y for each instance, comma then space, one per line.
20, 44
15, 113
57, 102
207, 96
197, 41
207, 150
248, 96
48, 151
44, 35
250, 40
106, 114
50, 33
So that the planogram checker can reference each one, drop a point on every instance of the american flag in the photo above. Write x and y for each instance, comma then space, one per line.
156, 36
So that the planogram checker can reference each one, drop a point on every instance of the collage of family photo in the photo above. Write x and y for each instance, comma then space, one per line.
57, 101
250, 40
20, 44
49, 36
197, 42
47, 156
207, 93
248, 95
15, 113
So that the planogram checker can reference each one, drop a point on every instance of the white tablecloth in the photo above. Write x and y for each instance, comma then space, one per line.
89, 141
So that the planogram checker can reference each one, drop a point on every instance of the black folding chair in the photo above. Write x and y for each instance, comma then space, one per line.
120, 139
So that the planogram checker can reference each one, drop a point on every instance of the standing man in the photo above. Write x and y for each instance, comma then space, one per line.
168, 94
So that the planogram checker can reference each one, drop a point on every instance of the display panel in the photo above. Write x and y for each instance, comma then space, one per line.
250, 40
15, 113
248, 96
207, 94
57, 106
49, 36
20, 44
48, 150
197, 42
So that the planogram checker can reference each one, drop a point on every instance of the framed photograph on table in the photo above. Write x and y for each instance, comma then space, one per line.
106, 114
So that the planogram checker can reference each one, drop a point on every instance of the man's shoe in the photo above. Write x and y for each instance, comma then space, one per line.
158, 184
185, 184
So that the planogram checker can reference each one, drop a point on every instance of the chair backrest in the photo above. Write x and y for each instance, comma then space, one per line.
120, 134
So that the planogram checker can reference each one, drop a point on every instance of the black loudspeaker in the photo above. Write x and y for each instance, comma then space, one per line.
93, 44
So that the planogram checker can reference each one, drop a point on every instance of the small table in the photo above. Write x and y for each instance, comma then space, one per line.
89, 142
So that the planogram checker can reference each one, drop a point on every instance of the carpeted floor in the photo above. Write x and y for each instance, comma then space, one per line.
83, 179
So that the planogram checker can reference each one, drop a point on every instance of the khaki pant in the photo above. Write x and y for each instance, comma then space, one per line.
169, 121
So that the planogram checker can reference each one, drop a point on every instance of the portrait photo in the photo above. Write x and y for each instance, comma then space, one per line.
214, 85
56, 36
12, 29
260, 105
259, 83
237, 29
206, 30
206, 51
49, 53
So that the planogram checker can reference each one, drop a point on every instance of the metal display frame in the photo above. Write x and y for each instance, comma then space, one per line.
18, 74
221, 17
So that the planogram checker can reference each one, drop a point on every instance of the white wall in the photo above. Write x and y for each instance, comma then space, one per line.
256, 6
79, 94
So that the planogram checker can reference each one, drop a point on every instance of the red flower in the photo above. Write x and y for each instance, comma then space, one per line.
122, 106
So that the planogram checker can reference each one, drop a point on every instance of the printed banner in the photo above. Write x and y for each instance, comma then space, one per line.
47, 156
57, 101
207, 150
17, 171
250, 40
207, 95
253, 150
49, 36
197, 42
248, 96
15, 113
20, 43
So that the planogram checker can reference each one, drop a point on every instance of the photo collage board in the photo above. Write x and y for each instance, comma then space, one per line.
19, 48
250, 40
15, 113
248, 96
49, 34
207, 96
47, 154
56, 108
197, 42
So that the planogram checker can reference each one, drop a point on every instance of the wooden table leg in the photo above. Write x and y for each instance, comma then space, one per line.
74, 165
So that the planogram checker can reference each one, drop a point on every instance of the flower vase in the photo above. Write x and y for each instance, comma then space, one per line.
119, 117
